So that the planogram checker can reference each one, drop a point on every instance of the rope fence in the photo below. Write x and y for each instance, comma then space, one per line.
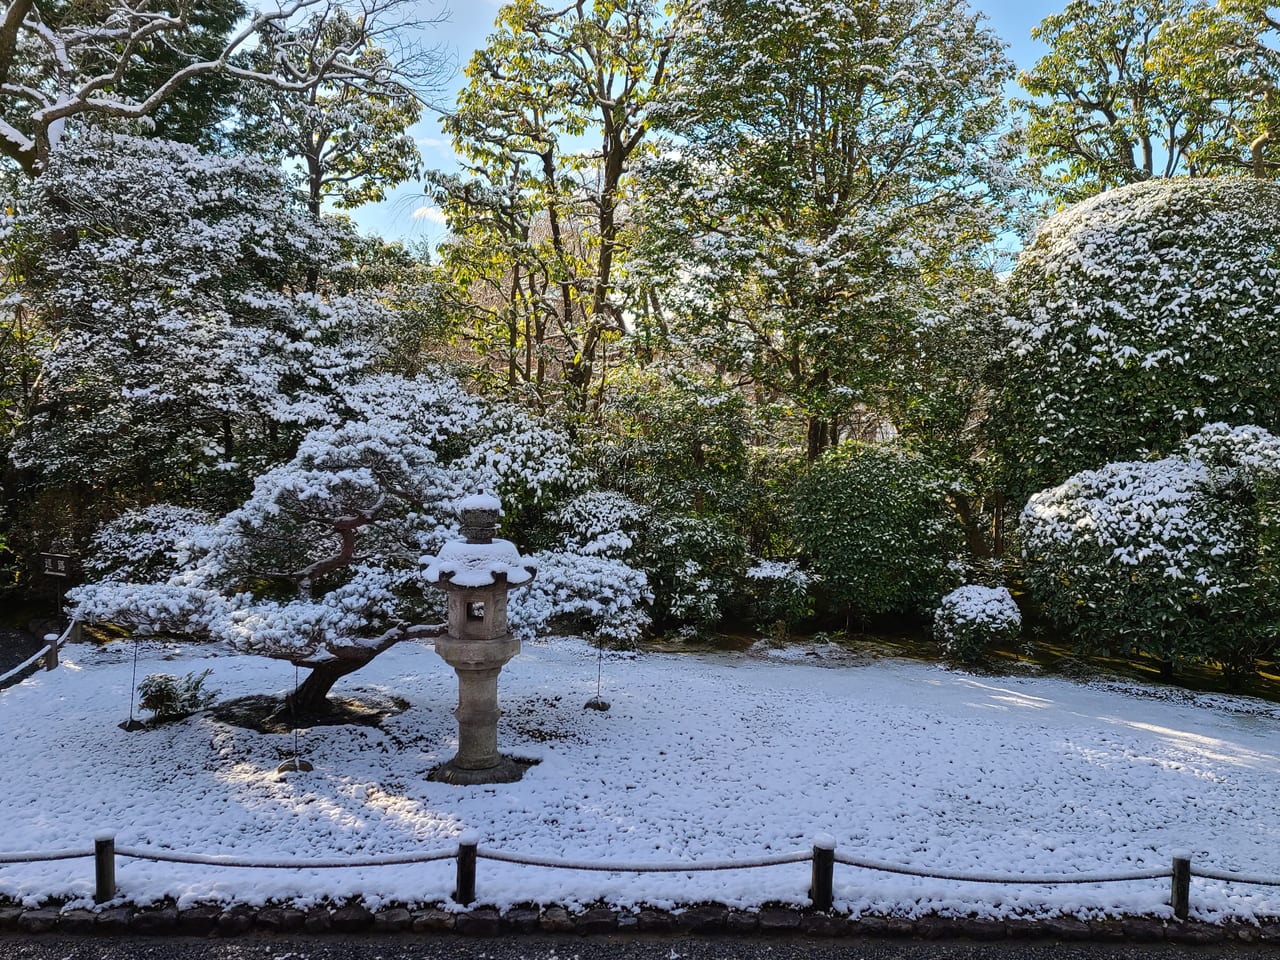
207, 860
800, 856
44, 856
822, 858
46, 656
1251, 879
1030, 880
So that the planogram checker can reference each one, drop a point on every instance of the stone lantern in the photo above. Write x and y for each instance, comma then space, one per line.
477, 574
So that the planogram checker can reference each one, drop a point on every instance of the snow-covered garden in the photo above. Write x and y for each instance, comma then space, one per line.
701, 758
751, 319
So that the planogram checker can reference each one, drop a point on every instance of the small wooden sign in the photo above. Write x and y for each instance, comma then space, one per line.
55, 564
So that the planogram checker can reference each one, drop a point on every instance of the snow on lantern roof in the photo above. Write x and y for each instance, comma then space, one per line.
480, 559
480, 501
464, 564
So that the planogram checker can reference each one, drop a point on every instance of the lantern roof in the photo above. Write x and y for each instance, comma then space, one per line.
465, 564
481, 559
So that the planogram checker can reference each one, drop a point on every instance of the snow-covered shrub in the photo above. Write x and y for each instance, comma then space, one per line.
875, 523
1174, 558
587, 580
606, 598
695, 566
147, 544
781, 595
524, 460
972, 618
1138, 316
172, 698
601, 523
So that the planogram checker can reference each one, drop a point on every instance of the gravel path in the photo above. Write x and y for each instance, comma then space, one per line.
607, 948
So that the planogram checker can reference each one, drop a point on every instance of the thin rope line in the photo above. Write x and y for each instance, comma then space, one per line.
165, 856
133, 690
36, 657
1030, 879
1211, 874
801, 856
38, 856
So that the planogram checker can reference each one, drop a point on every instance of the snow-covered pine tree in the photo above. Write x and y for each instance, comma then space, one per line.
324, 564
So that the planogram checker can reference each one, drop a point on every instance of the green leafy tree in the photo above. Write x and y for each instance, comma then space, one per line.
553, 117
940, 393
1227, 54
1106, 115
349, 138
1135, 89
827, 163
402, 278
677, 441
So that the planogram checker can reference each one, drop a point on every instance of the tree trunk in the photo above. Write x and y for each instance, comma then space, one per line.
312, 696
315, 200
818, 437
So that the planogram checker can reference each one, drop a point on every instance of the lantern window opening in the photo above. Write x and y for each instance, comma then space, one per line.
475, 610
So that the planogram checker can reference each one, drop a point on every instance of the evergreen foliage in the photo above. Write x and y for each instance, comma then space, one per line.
874, 521
1138, 317
972, 618
1174, 558
827, 164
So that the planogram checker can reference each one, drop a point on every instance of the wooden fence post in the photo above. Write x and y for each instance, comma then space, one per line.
1180, 892
824, 865
104, 862
51, 656
465, 894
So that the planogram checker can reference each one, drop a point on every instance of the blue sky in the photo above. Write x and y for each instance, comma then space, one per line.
405, 214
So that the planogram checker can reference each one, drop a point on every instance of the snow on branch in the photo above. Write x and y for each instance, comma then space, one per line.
53, 72
329, 558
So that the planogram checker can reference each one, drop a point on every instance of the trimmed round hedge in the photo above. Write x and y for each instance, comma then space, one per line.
1137, 317
972, 618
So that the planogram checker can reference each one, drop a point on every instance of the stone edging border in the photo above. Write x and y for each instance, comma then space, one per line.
214, 921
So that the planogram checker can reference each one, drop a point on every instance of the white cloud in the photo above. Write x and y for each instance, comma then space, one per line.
434, 214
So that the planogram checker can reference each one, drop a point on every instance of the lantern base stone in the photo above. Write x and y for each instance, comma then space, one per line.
507, 770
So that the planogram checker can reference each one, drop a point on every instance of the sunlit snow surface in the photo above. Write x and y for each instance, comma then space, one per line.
700, 758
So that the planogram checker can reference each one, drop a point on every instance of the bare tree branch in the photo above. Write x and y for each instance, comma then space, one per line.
63, 74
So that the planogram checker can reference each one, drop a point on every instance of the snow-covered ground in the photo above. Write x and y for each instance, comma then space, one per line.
700, 758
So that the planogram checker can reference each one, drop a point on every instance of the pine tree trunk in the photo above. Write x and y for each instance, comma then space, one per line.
311, 699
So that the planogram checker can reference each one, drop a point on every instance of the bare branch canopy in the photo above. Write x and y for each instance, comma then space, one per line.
55, 68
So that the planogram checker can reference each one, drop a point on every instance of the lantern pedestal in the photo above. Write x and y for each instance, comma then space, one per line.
477, 664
